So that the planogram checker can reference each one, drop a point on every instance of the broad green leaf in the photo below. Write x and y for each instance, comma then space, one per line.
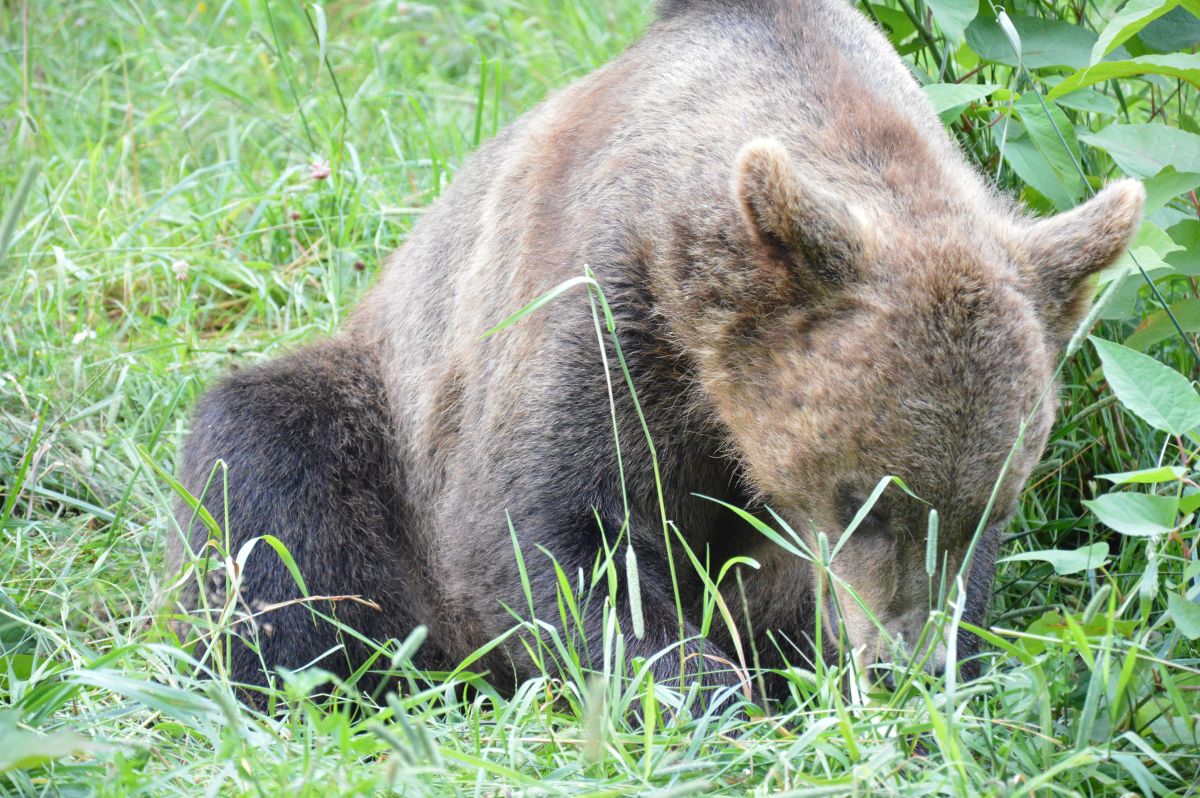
1136, 15
1023, 155
1144, 150
1166, 186
1189, 502
1148, 257
1157, 326
1040, 120
953, 16
1185, 260
1124, 300
948, 96
1177, 30
1159, 395
1048, 128
1088, 100
1186, 615
1151, 236
1136, 513
1148, 249
1066, 562
1044, 42
1185, 66
1192, 6
897, 23
1146, 476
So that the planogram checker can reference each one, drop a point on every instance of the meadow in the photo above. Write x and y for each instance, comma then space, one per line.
188, 187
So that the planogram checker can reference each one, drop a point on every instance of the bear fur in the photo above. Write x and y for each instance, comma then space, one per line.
812, 289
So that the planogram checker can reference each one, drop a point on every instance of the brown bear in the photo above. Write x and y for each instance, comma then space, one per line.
812, 290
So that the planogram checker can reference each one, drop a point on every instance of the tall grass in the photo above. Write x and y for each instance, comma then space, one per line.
191, 187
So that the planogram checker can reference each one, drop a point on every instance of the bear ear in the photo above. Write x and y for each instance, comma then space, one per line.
822, 237
1061, 254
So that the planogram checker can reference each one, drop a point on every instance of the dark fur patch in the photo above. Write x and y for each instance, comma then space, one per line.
307, 441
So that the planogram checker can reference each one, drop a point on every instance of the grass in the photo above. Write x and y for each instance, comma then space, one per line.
212, 184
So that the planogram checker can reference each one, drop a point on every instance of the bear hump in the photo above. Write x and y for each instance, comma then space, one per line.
674, 8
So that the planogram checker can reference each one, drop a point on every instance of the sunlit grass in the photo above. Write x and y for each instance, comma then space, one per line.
217, 183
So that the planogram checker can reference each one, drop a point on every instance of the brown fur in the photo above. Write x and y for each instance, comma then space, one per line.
813, 290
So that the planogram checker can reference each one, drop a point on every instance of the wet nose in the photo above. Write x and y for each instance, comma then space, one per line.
883, 674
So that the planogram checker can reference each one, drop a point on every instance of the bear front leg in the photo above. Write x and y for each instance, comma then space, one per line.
678, 655
979, 600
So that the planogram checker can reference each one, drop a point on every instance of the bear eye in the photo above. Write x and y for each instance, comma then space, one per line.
877, 519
